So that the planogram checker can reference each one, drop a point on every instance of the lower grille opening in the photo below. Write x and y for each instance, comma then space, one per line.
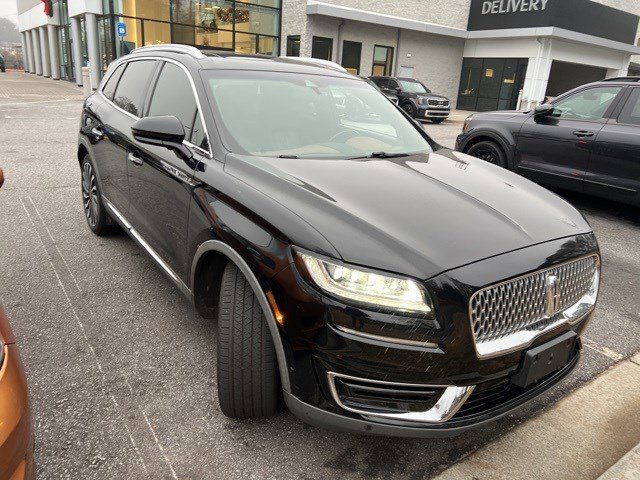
386, 398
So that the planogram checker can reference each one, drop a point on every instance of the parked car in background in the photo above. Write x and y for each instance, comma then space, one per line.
388, 93
586, 140
16, 435
3, 65
415, 99
376, 281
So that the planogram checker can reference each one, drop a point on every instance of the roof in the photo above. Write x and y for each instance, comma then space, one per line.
227, 60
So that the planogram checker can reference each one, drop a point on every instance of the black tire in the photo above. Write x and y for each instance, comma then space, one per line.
489, 152
438, 120
410, 109
96, 215
247, 367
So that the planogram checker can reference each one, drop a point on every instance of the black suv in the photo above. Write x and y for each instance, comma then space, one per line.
416, 99
585, 140
382, 283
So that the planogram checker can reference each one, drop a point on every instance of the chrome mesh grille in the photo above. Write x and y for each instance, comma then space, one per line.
520, 304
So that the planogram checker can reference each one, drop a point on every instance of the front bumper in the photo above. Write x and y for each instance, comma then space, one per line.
458, 424
429, 112
16, 436
325, 340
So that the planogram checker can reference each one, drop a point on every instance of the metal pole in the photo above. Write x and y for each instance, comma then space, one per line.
54, 50
37, 55
76, 43
91, 26
44, 50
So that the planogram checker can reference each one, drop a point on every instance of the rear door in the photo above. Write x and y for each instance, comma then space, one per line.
159, 179
614, 167
117, 116
555, 150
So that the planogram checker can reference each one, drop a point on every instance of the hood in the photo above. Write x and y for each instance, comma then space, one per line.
417, 215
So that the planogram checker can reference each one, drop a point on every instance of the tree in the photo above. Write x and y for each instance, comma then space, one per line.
8, 31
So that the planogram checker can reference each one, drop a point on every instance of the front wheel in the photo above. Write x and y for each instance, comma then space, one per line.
438, 120
247, 367
489, 152
410, 109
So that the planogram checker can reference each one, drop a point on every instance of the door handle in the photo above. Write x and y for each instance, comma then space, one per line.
583, 133
133, 158
97, 132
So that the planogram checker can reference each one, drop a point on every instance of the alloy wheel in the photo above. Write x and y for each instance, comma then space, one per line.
89, 194
488, 155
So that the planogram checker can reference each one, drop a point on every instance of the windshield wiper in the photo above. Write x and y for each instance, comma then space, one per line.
381, 155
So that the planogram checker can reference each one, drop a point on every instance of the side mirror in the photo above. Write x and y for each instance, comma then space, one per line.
166, 131
544, 110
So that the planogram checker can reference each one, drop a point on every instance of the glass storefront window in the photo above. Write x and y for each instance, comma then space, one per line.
251, 26
156, 32
253, 19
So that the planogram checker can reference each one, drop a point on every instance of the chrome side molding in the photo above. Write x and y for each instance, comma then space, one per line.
133, 233
446, 407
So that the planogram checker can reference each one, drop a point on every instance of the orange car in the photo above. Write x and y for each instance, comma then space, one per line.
16, 436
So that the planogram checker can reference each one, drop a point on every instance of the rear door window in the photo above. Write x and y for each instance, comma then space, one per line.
173, 95
132, 86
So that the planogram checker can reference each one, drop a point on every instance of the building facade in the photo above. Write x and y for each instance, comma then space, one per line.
483, 54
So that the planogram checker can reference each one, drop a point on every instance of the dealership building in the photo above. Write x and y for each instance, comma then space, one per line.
483, 54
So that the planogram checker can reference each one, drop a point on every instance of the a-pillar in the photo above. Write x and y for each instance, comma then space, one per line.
54, 51
44, 51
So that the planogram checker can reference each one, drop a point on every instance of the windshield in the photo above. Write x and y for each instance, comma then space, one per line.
413, 86
295, 115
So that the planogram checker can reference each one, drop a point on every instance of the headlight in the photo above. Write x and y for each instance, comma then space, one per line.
467, 122
422, 100
368, 288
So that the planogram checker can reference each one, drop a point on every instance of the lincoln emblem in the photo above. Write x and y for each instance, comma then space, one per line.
553, 296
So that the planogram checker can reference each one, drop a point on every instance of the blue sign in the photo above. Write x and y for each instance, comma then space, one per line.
122, 29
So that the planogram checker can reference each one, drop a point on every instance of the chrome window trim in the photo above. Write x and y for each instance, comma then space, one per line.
446, 407
124, 60
382, 338
524, 338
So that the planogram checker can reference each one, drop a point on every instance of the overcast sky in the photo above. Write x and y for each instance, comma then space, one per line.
8, 9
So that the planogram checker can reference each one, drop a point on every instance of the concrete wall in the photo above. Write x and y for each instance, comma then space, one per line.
24, 5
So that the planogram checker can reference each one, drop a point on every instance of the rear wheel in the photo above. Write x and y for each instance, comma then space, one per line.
489, 152
94, 211
247, 368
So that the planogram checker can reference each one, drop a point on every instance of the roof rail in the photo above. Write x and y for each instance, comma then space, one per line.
171, 47
622, 79
315, 62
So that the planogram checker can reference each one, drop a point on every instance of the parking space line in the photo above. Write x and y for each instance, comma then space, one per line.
607, 352
57, 257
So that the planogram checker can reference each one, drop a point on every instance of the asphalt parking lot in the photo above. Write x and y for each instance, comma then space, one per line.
122, 369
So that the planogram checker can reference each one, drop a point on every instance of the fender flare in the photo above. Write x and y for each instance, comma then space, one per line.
232, 255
